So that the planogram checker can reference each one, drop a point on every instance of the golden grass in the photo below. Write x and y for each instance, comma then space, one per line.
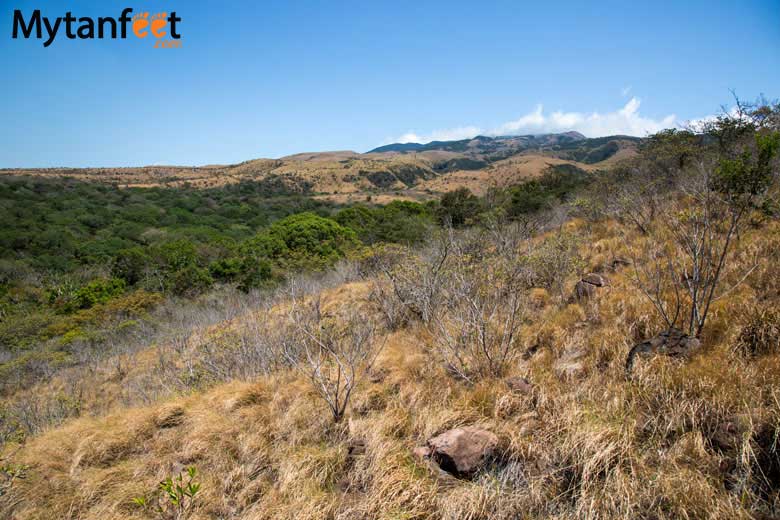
340, 177
589, 445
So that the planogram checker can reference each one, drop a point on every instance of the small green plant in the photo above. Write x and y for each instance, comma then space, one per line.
176, 495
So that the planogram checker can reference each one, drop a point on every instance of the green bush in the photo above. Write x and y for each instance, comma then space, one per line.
23, 330
98, 291
556, 184
459, 207
131, 264
226, 269
190, 280
400, 221
311, 241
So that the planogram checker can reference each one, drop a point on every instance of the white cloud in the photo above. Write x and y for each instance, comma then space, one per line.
697, 125
449, 134
625, 91
624, 121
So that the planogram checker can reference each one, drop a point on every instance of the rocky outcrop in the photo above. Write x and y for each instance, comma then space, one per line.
672, 342
519, 385
461, 451
619, 262
571, 365
586, 288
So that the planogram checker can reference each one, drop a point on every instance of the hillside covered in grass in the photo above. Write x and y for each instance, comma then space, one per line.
585, 344
396, 172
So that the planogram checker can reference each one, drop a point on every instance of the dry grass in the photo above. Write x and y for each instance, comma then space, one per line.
681, 439
340, 177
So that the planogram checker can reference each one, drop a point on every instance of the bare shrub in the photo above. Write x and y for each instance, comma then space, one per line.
687, 253
478, 335
30, 414
554, 260
254, 350
417, 282
393, 310
333, 352
681, 263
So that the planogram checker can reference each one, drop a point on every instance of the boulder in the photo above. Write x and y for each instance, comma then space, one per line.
619, 262
596, 279
421, 452
356, 448
463, 451
571, 365
727, 436
672, 342
584, 291
587, 286
529, 423
519, 385
377, 376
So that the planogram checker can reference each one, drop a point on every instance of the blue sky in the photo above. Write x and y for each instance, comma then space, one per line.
266, 79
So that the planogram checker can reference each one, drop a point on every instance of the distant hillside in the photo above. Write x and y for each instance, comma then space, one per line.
487, 146
395, 171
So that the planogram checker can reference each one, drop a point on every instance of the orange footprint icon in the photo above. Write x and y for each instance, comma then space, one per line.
159, 21
140, 23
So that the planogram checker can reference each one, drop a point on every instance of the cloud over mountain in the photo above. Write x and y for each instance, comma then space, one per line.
624, 121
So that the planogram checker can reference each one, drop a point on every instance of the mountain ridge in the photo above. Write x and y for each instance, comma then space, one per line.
396, 171
537, 139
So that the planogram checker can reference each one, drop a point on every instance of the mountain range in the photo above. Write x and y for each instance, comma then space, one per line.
394, 171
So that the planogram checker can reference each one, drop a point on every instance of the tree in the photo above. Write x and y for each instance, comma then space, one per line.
131, 265
459, 207
312, 242
680, 266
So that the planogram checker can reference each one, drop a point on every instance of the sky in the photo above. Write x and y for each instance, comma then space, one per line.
272, 78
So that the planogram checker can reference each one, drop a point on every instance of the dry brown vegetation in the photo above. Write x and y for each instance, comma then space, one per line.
340, 177
694, 438
316, 400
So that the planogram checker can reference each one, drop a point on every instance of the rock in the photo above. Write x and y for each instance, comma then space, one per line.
587, 286
727, 436
584, 291
766, 463
596, 279
529, 423
570, 370
672, 342
619, 262
463, 451
377, 376
570, 365
421, 452
356, 447
519, 385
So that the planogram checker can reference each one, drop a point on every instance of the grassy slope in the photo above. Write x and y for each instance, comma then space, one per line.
340, 176
592, 445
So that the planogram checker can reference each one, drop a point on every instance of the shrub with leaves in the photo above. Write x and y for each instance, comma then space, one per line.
176, 496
